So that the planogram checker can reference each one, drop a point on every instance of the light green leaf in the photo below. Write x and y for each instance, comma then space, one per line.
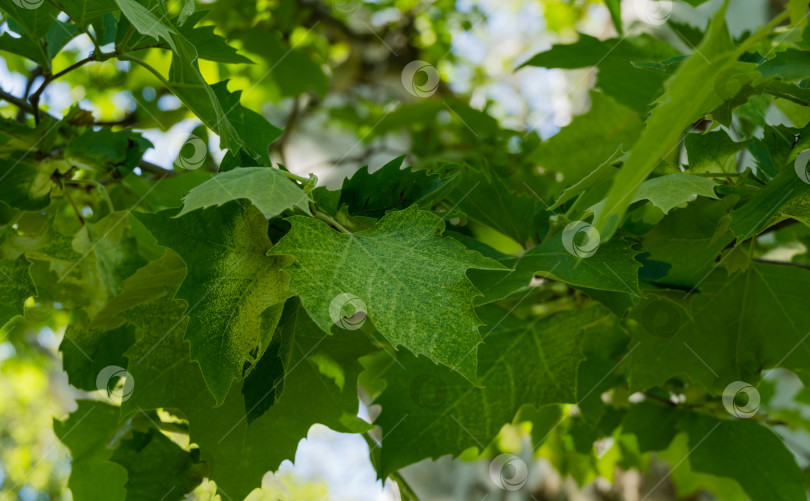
267, 188
410, 280
690, 92
672, 190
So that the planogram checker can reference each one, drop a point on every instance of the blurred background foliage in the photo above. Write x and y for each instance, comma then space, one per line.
329, 72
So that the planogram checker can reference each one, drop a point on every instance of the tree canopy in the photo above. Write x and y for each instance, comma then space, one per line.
627, 291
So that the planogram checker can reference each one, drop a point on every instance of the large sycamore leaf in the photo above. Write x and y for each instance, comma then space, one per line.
739, 325
267, 188
410, 279
235, 292
429, 411
238, 450
612, 268
691, 91
747, 452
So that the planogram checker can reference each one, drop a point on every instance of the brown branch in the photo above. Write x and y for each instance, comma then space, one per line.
34, 98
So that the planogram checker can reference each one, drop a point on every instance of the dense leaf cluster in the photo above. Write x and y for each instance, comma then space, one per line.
625, 289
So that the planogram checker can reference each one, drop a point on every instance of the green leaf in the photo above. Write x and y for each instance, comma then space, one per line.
255, 132
17, 284
391, 187
485, 198
265, 187
688, 94
738, 326
688, 242
615, 9
618, 78
672, 190
429, 411
654, 425
157, 468
293, 71
86, 432
185, 79
765, 209
24, 185
713, 152
414, 299
105, 149
35, 22
590, 140
788, 65
157, 279
612, 267
87, 12
747, 452
209, 45
240, 451
235, 293
87, 351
